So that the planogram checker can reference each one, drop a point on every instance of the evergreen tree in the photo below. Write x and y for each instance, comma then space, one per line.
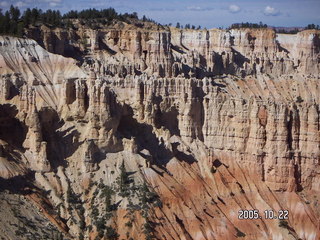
2, 22
312, 26
248, 25
144, 18
13, 22
123, 177
35, 15
6, 26
14, 13
27, 17
20, 28
135, 15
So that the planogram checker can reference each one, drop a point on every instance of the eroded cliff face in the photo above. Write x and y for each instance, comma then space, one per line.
170, 52
162, 133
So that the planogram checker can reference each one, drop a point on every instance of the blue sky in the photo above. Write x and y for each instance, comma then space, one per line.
207, 13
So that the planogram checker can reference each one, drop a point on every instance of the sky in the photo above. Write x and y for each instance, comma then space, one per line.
206, 13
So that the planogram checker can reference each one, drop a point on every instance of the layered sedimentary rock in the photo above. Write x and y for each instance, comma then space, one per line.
169, 52
163, 133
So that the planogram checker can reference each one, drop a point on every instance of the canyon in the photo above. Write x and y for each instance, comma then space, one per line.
155, 132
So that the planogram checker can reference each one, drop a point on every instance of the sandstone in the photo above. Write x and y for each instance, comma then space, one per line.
213, 121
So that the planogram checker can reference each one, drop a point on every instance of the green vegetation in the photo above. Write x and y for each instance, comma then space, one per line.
283, 224
76, 204
148, 230
108, 14
9, 22
101, 221
277, 30
72, 197
312, 26
25, 228
123, 181
296, 30
101, 226
187, 26
111, 233
13, 22
107, 193
239, 233
147, 200
95, 213
81, 237
148, 197
123, 186
248, 25
299, 99
293, 31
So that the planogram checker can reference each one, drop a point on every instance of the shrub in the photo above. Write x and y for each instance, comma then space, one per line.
299, 99
95, 213
239, 233
111, 233
283, 224
128, 224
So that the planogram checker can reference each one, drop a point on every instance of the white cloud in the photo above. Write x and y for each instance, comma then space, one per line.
197, 8
194, 8
52, 1
4, 4
20, 4
30, 3
53, 4
270, 11
234, 8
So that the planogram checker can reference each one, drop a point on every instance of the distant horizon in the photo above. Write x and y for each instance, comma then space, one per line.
206, 13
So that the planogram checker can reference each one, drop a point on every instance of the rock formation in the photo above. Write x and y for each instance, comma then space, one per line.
162, 133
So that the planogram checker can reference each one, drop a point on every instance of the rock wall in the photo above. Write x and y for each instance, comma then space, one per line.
170, 52
213, 121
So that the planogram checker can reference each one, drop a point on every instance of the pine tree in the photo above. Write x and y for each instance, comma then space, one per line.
6, 25
14, 13
144, 18
27, 17
2, 22
123, 177
35, 15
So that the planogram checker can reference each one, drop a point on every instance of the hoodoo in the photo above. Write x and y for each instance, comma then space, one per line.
153, 132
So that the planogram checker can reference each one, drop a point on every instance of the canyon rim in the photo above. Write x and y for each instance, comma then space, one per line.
142, 131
